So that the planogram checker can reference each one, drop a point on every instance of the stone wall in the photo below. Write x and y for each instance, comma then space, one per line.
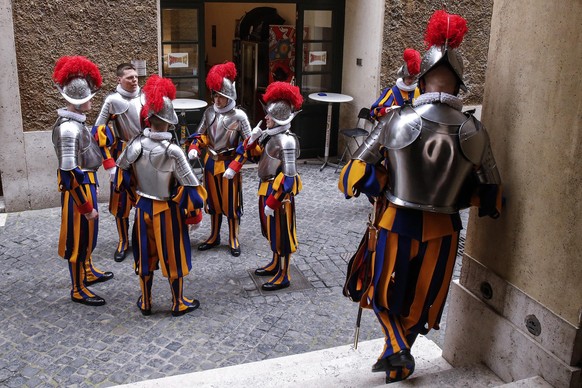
404, 26
106, 31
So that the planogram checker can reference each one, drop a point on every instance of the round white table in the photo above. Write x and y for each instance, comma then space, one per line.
330, 98
183, 105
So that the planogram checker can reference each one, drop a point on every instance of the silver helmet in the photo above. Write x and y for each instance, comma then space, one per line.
280, 111
444, 33
167, 113
77, 91
228, 89
437, 55
76, 78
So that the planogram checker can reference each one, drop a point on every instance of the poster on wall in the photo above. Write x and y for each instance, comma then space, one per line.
178, 60
317, 58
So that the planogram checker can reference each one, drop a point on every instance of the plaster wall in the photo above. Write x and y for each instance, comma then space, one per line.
360, 81
532, 109
12, 166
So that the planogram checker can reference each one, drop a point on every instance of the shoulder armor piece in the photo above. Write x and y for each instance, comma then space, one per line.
118, 104
473, 139
402, 129
369, 151
441, 114
235, 119
132, 152
207, 120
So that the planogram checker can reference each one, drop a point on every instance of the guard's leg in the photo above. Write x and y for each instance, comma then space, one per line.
144, 303
79, 292
214, 239
269, 269
233, 225
123, 234
180, 304
282, 278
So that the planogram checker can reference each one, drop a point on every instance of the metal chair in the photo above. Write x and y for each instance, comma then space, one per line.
354, 133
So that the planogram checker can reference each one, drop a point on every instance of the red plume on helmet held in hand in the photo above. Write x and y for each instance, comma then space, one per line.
159, 93
283, 102
444, 34
77, 78
220, 79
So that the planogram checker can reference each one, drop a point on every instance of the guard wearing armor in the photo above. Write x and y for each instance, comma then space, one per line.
168, 197
429, 160
405, 89
222, 129
78, 79
122, 110
277, 150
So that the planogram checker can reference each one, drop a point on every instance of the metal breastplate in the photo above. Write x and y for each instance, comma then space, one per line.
75, 146
154, 170
225, 130
427, 166
126, 124
280, 152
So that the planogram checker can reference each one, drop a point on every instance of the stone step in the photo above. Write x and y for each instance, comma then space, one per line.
336, 367
532, 382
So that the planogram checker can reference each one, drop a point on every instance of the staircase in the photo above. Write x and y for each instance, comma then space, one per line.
341, 367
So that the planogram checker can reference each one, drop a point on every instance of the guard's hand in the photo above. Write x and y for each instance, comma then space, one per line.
112, 173
268, 211
193, 154
256, 132
93, 215
229, 173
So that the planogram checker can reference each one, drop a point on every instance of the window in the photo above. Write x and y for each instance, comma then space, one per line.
181, 50
317, 51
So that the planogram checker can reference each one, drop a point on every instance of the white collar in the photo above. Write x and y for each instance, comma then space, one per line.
445, 98
230, 106
125, 93
277, 130
157, 135
402, 86
62, 112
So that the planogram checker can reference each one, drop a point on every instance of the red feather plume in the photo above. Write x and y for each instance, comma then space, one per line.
69, 67
283, 91
155, 89
444, 28
412, 60
218, 72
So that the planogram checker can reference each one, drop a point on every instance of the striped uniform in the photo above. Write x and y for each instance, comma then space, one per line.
393, 96
405, 278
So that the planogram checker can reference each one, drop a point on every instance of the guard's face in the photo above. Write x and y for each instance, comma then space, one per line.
270, 122
408, 80
219, 100
128, 80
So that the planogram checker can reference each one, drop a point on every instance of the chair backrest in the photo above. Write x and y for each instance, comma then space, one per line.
364, 114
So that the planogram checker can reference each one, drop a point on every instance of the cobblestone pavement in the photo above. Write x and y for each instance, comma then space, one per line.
46, 340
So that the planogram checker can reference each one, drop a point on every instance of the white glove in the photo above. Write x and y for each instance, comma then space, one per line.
229, 173
256, 133
193, 154
268, 211
112, 172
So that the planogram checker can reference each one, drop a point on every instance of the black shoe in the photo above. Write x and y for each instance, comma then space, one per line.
195, 305
401, 359
145, 312
103, 278
235, 252
400, 378
93, 301
206, 246
264, 272
119, 255
274, 287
